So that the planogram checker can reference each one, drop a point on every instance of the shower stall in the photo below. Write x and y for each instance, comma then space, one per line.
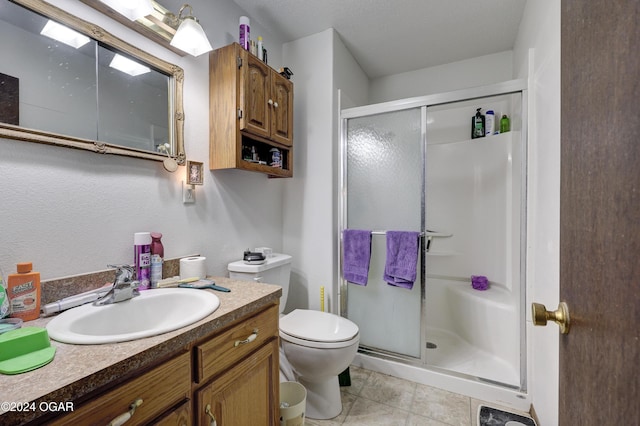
411, 165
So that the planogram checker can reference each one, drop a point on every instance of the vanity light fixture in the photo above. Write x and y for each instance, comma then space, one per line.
64, 34
189, 36
132, 9
128, 66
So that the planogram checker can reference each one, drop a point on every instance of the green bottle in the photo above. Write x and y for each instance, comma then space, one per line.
505, 126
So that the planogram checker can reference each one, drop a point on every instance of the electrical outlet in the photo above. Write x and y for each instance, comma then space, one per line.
188, 193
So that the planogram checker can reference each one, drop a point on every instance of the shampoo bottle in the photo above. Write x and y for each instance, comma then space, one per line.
490, 120
24, 292
142, 258
477, 125
157, 257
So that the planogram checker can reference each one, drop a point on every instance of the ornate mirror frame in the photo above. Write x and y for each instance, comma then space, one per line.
176, 77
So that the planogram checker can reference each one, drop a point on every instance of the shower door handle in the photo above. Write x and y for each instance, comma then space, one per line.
560, 316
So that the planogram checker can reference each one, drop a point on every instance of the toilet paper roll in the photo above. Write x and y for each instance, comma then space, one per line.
193, 267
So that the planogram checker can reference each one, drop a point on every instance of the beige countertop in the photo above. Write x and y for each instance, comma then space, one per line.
78, 370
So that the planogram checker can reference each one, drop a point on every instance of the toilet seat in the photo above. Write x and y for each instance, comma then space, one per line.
317, 329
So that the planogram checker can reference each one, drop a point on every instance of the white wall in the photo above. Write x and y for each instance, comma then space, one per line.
537, 55
321, 65
72, 212
308, 196
472, 72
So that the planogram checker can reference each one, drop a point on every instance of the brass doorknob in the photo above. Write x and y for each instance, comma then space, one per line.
560, 316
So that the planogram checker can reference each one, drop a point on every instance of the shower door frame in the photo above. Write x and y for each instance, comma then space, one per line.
423, 103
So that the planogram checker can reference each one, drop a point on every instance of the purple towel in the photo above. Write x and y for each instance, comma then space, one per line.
402, 258
356, 254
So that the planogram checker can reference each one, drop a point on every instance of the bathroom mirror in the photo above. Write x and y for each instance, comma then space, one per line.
73, 93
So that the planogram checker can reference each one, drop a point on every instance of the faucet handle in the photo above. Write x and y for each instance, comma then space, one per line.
124, 273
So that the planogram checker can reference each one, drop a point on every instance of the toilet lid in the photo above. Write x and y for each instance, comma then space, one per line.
318, 326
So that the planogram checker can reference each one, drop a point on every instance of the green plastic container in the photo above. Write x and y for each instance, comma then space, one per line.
25, 349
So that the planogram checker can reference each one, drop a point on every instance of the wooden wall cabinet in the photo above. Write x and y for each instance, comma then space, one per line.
250, 109
230, 377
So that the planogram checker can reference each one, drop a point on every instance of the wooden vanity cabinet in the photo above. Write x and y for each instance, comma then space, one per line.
251, 107
232, 376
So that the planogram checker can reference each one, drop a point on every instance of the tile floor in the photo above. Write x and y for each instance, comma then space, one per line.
378, 399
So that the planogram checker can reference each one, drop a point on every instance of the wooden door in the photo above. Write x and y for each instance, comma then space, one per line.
600, 212
246, 395
281, 109
255, 96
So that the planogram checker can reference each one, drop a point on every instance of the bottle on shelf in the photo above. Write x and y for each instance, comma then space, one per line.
505, 125
157, 258
245, 32
490, 119
260, 49
477, 125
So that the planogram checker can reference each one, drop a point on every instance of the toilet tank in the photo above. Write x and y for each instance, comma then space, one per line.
275, 270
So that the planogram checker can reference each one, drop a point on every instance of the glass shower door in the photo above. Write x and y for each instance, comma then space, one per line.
384, 182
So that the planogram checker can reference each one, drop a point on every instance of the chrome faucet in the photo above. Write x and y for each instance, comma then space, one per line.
123, 287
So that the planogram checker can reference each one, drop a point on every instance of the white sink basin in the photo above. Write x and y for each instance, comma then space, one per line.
154, 312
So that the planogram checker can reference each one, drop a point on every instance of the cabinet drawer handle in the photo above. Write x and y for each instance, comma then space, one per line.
207, 410
249, 339
124, 417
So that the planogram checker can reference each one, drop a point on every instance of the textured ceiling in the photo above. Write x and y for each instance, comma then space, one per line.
389, 37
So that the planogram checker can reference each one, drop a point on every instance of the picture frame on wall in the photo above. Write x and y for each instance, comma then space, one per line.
194, 172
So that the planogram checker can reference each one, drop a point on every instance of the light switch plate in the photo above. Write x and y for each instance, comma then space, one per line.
188, 193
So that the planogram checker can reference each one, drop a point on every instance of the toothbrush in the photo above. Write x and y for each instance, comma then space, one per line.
202, 284
174, 281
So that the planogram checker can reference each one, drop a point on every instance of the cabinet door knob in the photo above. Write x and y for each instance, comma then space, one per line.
275, 104
270, 101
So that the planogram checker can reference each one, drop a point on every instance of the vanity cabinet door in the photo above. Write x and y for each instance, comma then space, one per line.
246, 394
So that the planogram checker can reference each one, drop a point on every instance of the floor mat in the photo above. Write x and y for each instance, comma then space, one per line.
489, 416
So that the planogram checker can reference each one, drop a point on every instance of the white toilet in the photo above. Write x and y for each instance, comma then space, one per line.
317, 345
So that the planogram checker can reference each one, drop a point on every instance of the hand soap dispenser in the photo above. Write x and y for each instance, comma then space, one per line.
477, 125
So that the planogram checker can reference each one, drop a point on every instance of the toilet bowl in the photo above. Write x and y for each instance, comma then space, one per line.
317, 346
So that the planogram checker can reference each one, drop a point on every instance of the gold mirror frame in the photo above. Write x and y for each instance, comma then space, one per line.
95, 32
